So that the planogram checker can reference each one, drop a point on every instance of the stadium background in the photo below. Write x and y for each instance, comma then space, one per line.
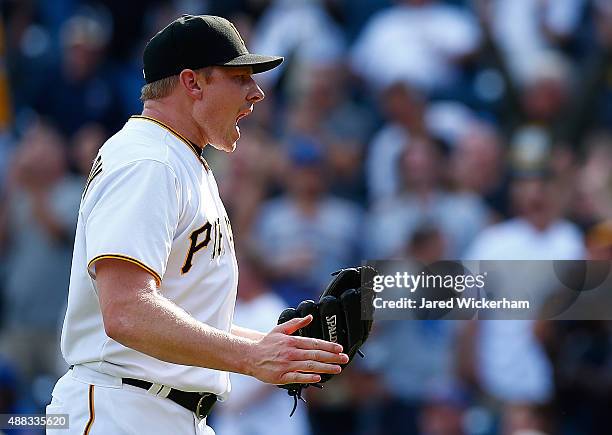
415, 128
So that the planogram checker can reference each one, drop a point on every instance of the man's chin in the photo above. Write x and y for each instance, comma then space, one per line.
228, 144
228, 148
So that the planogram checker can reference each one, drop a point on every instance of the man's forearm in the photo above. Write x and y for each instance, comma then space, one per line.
159, 328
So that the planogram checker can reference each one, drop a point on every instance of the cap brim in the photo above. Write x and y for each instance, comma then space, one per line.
258, 62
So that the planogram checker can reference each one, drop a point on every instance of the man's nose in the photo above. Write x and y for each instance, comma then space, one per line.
256, 94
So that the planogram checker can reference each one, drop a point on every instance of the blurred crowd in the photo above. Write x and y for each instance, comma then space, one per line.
423, 129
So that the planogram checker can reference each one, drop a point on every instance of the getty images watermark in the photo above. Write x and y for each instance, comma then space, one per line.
570, 290
458, 283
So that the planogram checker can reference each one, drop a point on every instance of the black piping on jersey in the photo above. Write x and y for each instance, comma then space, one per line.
218, 239
96, 170
129, 259
92, 414
230, 233
196, 149
216, 236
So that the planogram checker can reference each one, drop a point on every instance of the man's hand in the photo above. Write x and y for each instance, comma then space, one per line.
280, 358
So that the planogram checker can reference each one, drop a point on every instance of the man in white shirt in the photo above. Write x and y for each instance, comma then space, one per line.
148, 328
421, 42
525, 383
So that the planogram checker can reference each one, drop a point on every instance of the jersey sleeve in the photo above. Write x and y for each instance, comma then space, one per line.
132, 214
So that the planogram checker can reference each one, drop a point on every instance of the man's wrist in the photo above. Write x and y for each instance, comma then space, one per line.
246, 353
247, 333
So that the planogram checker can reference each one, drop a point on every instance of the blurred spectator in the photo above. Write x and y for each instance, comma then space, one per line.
535, 113
421, 42
415, 363
85, 145
80, 90
254, 408
409, 116
29, 52
598, 92
544, 95
537, 233
338, 410
42, 209
404, 109
599, 241
478, 166
306, 234
581, 353
525, 419
460, 216
427, 245
442, 416
8, 388
594, 182
322, 109
357, 14
300, 30
448, 120
7, 147
524, 29
129, 21
522, 386
5, 103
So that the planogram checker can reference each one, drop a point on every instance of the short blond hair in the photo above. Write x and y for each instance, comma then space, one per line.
158, 89
164, 87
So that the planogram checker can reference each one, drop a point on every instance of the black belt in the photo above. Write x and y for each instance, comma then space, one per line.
198, 403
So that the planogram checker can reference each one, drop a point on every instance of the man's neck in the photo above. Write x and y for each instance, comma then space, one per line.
181, 124
540, 221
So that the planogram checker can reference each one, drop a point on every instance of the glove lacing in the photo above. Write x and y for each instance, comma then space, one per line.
296, 393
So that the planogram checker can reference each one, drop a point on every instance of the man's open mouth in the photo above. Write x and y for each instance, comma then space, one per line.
243, 115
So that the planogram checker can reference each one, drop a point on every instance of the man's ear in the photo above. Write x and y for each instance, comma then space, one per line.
191, 83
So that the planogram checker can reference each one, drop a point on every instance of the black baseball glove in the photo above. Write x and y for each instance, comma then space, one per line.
337, 317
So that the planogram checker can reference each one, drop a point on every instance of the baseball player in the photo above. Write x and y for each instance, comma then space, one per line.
148, 330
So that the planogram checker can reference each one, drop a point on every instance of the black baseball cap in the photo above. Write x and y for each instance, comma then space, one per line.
198, 41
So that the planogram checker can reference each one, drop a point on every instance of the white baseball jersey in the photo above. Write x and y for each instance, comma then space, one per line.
151, 200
